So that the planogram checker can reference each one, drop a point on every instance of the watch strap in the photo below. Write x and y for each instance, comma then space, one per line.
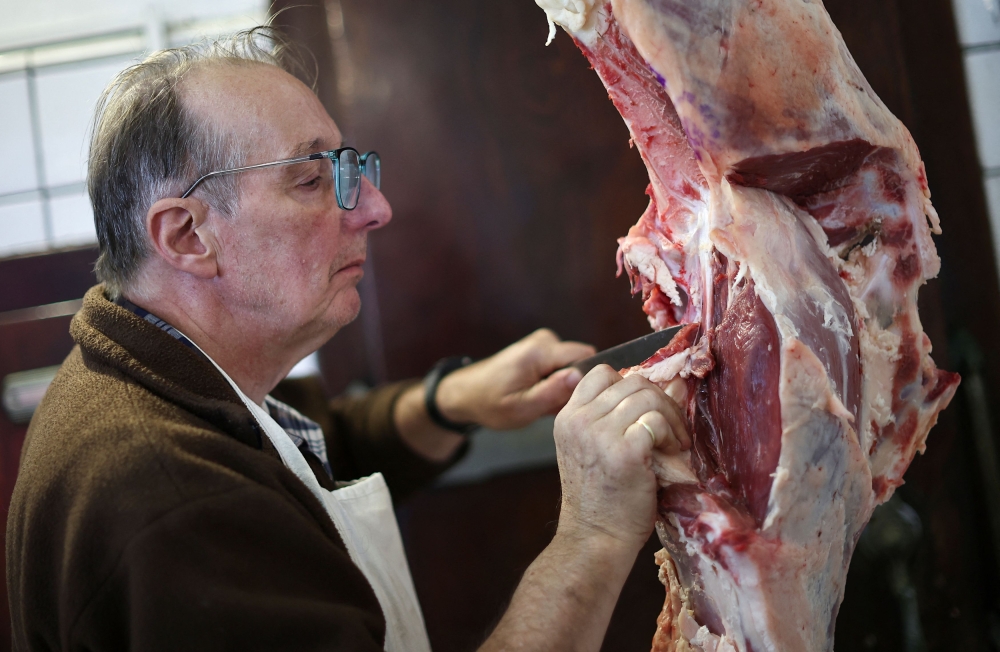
431, 381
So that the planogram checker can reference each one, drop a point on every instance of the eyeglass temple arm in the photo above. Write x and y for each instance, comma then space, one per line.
220, 173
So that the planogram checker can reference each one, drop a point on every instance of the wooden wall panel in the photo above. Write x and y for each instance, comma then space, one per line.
508, 172
36, 280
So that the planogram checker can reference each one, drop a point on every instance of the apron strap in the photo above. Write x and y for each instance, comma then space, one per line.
363, 515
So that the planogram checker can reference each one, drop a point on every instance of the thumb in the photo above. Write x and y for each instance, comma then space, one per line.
548, 396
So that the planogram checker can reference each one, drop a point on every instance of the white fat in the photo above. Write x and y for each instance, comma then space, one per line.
722, 584
726, 645
835, 318
819, 235
705, 640
879, 347
716, 524
666, 370
879, 281
744, 272
786, 328
689, 627
869, 249
644, 257
931, 213
839, 481
880, 351
578, 17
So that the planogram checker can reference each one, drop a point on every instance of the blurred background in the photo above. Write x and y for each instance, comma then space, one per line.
510, 177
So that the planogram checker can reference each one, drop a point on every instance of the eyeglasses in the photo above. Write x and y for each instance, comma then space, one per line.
348, 167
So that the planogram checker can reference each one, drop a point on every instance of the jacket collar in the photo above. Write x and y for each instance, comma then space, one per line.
111, 335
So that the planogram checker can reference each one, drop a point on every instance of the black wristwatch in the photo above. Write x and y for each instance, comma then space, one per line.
431, 381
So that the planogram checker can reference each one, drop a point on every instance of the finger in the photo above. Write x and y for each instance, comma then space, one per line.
633, 406
571, 377
675, 417
550, 353
613, 396
543, 335
561, 354
657, 431
544, 352
549, 395
652, 398
677, 389
530, 344
596, 381
539, 340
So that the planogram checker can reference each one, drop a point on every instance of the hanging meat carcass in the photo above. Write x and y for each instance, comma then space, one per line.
790, 219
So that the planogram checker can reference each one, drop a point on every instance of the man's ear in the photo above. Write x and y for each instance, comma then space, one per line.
176, 227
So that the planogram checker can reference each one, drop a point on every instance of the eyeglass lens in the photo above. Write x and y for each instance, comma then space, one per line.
373, 168
349, 173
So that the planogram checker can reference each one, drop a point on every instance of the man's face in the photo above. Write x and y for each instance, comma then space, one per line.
290, 258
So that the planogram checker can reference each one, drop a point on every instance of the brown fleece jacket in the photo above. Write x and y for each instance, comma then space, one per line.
150, 513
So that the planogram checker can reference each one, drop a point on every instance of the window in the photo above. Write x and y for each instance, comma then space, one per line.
979, 33
47, 97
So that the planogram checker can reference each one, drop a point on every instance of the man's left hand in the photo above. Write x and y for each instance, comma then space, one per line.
515, 386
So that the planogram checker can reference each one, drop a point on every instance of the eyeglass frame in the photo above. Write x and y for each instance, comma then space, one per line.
332, 154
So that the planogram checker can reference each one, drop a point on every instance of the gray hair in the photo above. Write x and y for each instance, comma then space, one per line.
146, 146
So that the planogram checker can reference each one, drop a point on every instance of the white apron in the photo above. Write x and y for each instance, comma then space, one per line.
363, 515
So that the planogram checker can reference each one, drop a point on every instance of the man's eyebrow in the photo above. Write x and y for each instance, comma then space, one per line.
309, 147
306, 147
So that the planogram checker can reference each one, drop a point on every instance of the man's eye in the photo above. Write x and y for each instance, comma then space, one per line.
311, 183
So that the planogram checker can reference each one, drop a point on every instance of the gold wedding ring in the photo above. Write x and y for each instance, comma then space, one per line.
648, 429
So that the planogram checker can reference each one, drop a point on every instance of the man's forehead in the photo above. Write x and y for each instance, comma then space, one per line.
263, 105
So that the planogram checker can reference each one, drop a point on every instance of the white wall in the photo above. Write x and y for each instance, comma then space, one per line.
35, 22
56, 57
979, 33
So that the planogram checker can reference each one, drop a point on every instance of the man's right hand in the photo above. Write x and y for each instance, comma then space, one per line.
605, 455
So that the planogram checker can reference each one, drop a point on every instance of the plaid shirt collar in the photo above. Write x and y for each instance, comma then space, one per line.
299, 428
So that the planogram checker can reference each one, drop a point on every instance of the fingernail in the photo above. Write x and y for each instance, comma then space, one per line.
573, 377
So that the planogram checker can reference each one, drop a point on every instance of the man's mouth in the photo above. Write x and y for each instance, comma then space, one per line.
355, 264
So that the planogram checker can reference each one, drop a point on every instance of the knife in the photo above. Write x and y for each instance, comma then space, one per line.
630, 353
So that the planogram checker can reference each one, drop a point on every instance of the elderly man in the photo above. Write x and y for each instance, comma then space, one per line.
166, 501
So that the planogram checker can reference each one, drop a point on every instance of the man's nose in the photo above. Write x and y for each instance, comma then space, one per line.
373, 210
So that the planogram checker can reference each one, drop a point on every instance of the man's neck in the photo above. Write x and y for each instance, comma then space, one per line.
245, 349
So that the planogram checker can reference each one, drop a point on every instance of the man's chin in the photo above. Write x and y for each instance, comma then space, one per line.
345, 308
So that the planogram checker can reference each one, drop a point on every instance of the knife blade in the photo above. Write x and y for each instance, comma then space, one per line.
630, 353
